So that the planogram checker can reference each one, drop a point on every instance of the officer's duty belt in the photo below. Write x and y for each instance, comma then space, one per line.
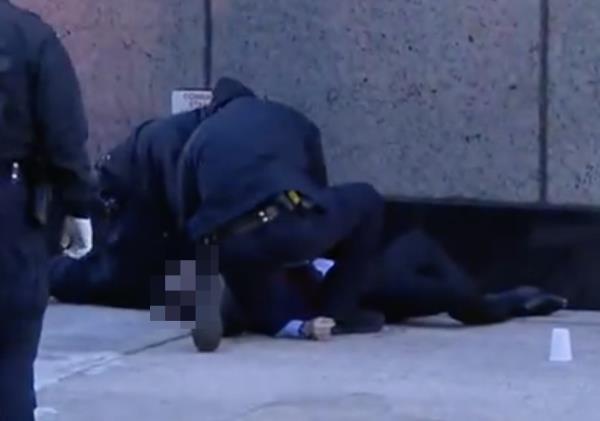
288, 201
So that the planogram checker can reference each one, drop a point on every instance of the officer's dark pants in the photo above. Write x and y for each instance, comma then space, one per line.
23, 298
349, 231
118, 270
417, 278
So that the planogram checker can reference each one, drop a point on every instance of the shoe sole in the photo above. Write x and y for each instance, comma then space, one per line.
546, 305
208, 332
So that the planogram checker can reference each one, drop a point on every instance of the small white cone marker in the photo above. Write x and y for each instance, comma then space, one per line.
560, 347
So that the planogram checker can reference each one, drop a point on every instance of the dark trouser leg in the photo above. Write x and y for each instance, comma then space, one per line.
23, 298
418, 278
349, 230
354, 253
19, 341
469, 306
234, 319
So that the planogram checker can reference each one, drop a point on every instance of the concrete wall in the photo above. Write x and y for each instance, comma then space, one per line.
129, 55
574, 101
429, 98
477, 99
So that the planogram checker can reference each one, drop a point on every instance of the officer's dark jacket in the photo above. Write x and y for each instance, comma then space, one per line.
144, 166
247, 152
41, 111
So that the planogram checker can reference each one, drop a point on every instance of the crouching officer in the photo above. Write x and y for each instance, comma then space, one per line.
42, 127
260, 202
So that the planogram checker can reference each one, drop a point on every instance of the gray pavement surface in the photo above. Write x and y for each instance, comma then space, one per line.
106, 364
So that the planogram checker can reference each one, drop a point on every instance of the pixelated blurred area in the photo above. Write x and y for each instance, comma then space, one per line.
175, 297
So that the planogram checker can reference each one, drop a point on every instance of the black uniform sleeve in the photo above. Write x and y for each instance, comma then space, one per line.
314, 149
62, 127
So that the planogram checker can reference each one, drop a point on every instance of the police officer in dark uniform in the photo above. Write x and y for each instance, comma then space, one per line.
132, 218
257, 197
135, 222
42, 142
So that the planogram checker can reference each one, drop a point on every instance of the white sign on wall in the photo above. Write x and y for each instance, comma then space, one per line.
183, 100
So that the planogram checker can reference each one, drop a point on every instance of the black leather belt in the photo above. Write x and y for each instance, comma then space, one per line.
250, 221
289, 201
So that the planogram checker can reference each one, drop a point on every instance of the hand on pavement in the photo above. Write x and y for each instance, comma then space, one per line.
318, 329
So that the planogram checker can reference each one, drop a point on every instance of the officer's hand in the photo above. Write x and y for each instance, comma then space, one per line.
77, 237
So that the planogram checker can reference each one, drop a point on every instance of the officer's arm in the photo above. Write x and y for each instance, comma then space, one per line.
62, 126
314, 149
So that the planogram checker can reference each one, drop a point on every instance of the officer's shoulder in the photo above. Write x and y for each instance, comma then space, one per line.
279, 105
29, 14
32, 20
164, 125
291, 112
37, 30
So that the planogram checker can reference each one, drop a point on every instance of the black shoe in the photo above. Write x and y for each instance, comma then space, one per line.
360, 321
544, 304
209, 326
532, 301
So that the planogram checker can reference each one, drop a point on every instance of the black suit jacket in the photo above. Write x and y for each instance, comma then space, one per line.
247, 152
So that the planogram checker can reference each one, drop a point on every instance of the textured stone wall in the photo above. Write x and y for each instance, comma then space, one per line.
574, 102
129, 55
423, 98
496, 100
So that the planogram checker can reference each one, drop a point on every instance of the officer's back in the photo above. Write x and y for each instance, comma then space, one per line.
41, 111
248, 152
18, 29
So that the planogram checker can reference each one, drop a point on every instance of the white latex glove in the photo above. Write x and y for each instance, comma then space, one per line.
77, 237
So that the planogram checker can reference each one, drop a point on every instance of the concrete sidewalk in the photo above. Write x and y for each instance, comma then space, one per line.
106, 364
79, 338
